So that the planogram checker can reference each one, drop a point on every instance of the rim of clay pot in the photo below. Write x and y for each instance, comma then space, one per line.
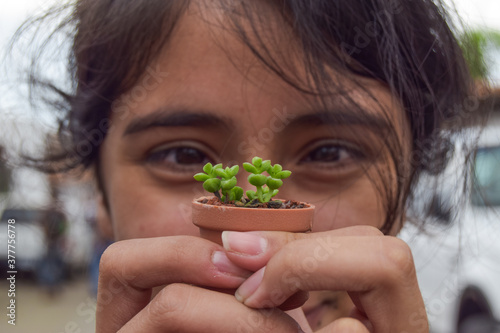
249, 219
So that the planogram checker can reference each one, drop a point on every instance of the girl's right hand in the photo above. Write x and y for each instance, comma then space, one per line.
131, 269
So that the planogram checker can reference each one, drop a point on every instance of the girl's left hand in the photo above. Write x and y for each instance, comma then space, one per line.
376, 270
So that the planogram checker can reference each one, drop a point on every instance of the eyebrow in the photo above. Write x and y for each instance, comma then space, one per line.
342, 118
189, 118
178, 118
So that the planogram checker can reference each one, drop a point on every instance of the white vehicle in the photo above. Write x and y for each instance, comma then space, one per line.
458, 264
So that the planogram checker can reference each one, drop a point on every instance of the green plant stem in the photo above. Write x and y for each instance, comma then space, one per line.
259, 193
218, 195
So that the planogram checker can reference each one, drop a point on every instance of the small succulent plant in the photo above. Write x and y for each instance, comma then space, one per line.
267, 186
222, 181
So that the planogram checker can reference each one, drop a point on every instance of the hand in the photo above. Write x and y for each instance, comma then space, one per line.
130, 269
376, 270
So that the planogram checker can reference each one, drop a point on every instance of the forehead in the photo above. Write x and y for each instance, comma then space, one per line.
206, 67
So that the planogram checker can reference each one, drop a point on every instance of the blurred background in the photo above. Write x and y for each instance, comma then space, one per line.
58, 246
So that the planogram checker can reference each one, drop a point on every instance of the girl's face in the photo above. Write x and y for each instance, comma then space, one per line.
208, 99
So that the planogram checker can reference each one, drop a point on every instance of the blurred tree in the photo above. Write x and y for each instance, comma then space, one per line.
477, 46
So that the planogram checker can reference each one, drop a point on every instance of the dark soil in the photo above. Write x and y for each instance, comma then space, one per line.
273, 204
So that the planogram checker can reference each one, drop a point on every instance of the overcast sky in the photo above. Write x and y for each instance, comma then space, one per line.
476, 12
480, 13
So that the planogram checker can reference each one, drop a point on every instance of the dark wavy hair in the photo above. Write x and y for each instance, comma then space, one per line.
406, 45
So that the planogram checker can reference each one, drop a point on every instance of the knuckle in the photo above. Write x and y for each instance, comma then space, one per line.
368, 230
291, 259
286, 238
169, 304
398, 257
348, 325
289, 256
280, 239
290, 237
109, 258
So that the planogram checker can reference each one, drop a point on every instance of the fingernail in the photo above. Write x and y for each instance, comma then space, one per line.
224, 265
250, 285
244, 242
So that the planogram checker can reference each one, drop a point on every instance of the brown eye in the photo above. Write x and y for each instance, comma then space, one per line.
189, 156
331, 154
180, 156
326, 154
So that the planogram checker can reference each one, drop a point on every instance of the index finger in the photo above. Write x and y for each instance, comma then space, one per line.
252, 250
377, 272
130, 269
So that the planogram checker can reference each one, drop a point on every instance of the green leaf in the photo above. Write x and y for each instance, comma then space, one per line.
251, 194
257, 180
249, 167
265, 166
233, 171
236, 193
275, 169
274, 183
226, 185
201, 177
212, 185
208, 168
220, 173
283, 174
267, 194
257, 161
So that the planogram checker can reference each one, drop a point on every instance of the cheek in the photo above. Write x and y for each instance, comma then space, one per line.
360, 204
150, 211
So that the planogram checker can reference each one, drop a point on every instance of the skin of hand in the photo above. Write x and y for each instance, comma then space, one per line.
196, 104
376, 270
126, 285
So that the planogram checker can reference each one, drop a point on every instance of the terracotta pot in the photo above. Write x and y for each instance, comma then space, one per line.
212, 220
